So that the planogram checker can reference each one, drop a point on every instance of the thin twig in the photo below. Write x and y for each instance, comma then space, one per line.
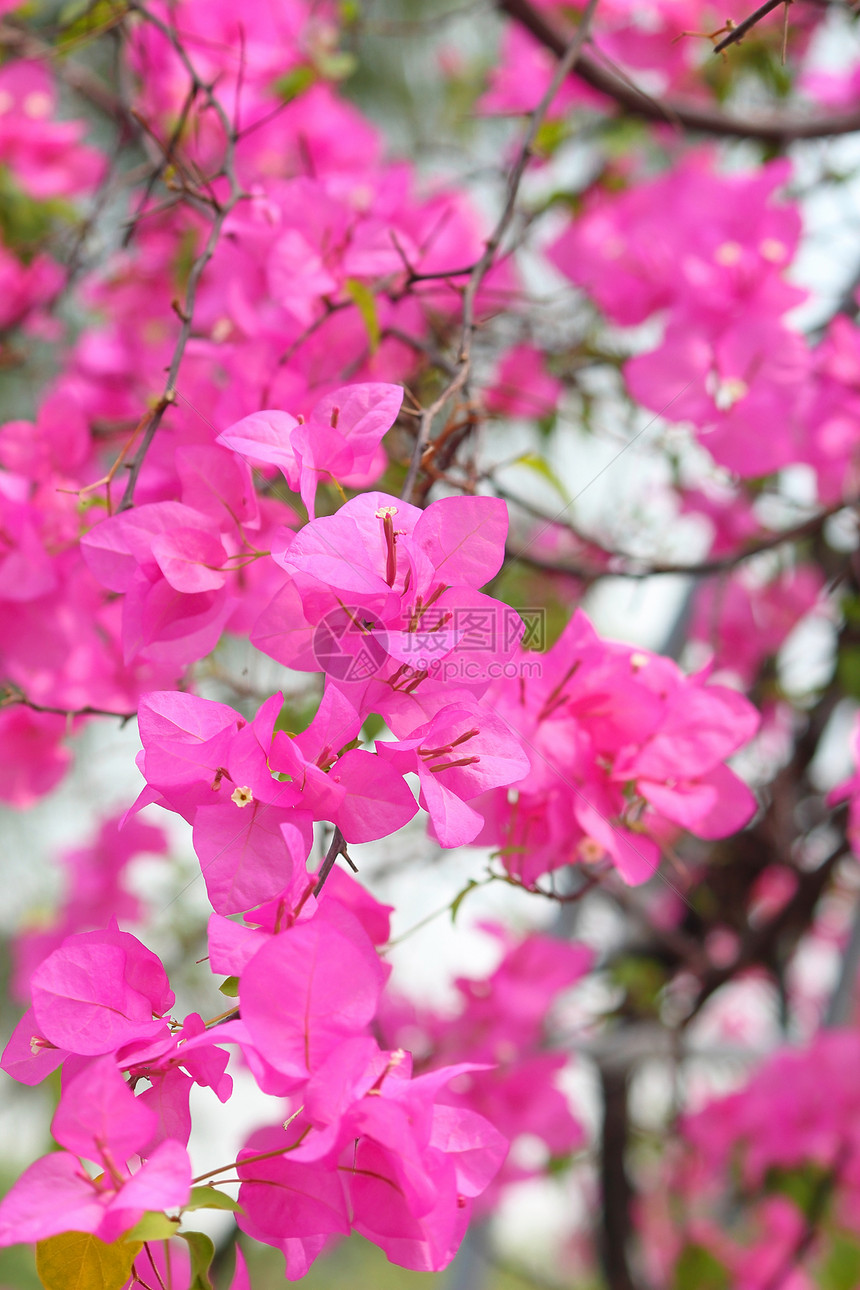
568, 60
236, 194
167, 159
15, 698
737, 33
759, 942
705, 568
337, 847
778, 128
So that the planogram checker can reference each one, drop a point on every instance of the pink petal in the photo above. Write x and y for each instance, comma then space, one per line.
51, 1197
265, 437
98, 1110
190, 559
309, 988
242, 854
378, 801
464, 537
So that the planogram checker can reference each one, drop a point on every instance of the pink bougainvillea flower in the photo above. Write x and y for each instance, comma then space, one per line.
101, 1120
523, 387
361, 794
458, 755
33, 756
622, 747
340, 439
44, 154
294, 1004
100, 991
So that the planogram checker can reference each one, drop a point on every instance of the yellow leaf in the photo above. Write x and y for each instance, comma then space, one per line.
365, 303
154, 1226
544, 469
80, 1261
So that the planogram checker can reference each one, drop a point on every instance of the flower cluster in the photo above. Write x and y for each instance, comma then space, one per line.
276, 361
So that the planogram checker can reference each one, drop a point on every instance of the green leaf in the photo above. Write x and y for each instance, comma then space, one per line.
211, 1198
87, 14
88, 20
642, 978
373, 726
293, 83
186, 254
80, 1261
803, 1185
621, 136
841, 1267
202, 1253
230, 987
848, 658
848, 670
24, 222
545, 470
154, 1226
337, 65
550, 136
297, 714
71, 11
365, 303
698, 1269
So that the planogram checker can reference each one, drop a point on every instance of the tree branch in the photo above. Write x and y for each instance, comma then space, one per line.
738, 32
235, 194
337, 847
705, 568
569, 54
778, 129
760, 943
615, 1188
12, 698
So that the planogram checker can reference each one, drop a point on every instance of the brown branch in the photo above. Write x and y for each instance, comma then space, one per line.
223, 210
168, 158
737, 33
569, 54
11, 698
615, 1187
337, 847
706, 568
778, 129
760, 943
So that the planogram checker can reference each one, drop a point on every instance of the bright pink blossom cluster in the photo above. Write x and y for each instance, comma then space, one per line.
384, 598
310, 981
503, 1024
727, 361
662, 46
624, 751
321, 280
783, 1148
